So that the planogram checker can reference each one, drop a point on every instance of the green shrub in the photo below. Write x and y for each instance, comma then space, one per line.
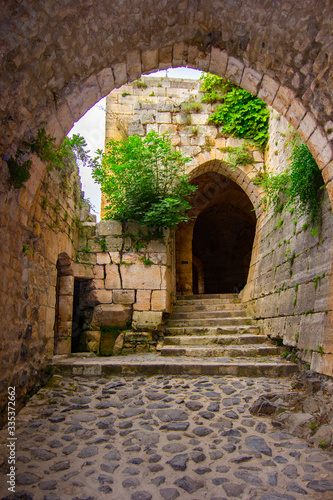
144, 180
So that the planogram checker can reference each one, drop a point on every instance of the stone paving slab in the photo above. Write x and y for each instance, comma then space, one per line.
160, 437
154, 364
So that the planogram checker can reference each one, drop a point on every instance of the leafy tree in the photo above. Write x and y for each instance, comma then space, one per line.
144, 180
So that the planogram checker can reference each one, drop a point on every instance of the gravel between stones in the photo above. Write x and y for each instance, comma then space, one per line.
157, 438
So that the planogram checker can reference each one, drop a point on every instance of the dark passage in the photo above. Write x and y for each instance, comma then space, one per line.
222, 240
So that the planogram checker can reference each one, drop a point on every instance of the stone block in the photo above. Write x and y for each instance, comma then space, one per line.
133, 61
268, 89
163, 117
111, 315
66, 285
147, 116
251, 80
113, 244
139, 276
97, 284
234, 70
98, 272
149, 60
93, 339
99, 297
112, 279
296, 112
322, 363
82, 271
147, 320
218, 61
159, 258
307, 126
115, 257
160, 300
103, 258
129, 258
64, 345
142, 300
283, 99
108, 228
135, 128
120, 74
199, 118
65, 310
167, 127
123, 296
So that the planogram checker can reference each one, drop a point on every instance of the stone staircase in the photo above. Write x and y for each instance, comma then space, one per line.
206, 335
214, 326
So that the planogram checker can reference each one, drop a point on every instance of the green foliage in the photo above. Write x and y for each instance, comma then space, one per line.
320, 350
241, 155
146, 261
103, 244
18, 168
305, 181
322, 444
144, 180
25, 250
317, 280
313, 426
301, 184
214, 87
140, 84
44, 147
124, 94
244, 116
191, 107
241, 114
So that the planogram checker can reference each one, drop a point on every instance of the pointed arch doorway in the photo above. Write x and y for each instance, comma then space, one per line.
213, 250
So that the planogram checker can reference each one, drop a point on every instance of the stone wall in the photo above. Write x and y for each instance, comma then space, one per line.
133, 281
39, 223
289, 285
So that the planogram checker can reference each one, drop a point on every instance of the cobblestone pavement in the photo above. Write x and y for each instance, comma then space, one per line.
160, 437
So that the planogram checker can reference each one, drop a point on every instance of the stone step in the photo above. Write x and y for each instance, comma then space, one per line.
208, 307
229, 321
206, 340
154, 364
225, 351
199, 330
200, 296
208, 302
208, 314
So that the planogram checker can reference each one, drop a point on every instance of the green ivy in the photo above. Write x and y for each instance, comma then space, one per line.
43, 145
241, 114
301, 183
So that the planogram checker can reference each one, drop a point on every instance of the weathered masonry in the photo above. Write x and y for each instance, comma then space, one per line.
60, 59
230, 241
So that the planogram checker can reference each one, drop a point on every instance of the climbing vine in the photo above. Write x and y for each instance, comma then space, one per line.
240, 114
43, 145
301, 183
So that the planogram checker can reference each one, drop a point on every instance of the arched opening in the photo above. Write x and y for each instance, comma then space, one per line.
214, 249
222, 239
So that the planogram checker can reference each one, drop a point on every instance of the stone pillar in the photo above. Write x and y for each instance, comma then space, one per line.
63, 340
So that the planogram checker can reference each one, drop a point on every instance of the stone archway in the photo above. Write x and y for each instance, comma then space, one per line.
214, 248
59, 60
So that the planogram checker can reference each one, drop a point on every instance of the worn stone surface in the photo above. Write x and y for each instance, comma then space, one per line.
125, 449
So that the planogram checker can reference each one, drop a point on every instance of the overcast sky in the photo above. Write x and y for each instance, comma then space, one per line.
92, 127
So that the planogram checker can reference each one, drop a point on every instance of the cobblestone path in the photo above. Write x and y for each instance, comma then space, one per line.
160, 437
